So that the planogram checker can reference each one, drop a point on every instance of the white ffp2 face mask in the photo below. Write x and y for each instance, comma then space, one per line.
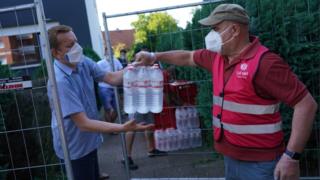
74, 55
213, 41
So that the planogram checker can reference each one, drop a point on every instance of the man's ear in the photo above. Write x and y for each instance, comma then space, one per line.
236, 29
54, 52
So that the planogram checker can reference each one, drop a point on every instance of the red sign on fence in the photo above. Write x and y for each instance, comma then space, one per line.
13, 83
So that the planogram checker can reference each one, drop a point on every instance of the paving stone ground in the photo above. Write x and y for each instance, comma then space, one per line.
197, 163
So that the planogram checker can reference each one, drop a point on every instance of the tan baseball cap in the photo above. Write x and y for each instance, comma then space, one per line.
226, 12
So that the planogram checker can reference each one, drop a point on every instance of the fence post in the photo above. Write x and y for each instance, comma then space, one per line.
56, 102
123, 139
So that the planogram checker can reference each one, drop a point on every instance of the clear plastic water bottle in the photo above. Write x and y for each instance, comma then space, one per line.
189, 117
169, 139
179, 139
189, 138
157, 139
183, 118
174, 140
142, 85
166, 141
155, 95
195, 118
178, 118
129, 90
193, 136
163, 141
185, 139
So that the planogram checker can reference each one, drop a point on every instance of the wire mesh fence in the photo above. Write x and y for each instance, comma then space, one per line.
290, 28
25, 133
279, 25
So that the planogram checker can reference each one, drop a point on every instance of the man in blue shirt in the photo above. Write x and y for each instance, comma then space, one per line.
106, 91
75, 74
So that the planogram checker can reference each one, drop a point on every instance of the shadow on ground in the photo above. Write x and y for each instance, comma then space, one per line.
191, 163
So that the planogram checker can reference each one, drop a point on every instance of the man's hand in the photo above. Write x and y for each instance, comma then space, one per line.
145, 58
133, 126
287, 169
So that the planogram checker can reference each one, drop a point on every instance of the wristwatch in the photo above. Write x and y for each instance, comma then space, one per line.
293, 155
153, 56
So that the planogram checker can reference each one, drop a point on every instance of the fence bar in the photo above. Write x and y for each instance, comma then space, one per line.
15, 8
109, 46
306, 178
24, 129
164, 8
53, 86
116, 93
31, 167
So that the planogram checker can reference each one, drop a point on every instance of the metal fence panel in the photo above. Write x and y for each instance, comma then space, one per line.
25, 133
204, 162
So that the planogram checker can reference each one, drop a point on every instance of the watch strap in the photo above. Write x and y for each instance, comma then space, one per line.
293, 155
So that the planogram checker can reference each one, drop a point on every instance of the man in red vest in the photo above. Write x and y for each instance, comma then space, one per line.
249, 83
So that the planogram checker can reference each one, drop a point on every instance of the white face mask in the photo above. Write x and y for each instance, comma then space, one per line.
213, 41
74, 55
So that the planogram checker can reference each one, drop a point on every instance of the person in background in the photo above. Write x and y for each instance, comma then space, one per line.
249, 82
147, 119
123, 57
106, 91
75, 74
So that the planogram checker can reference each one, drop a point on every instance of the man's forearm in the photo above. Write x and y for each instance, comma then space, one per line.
86, 124
303, 116
178, 57
101, 126
114, 78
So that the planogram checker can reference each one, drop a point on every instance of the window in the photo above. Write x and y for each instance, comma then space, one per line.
1, 44
25, 49
3, 60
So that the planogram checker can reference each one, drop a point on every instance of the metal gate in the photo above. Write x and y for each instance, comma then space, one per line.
204, 162
25, 133
26, 150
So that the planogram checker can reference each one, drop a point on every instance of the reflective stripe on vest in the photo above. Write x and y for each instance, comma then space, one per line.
246, 108
248, 129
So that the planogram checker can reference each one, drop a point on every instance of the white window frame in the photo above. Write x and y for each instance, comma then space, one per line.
29, 29
3, 60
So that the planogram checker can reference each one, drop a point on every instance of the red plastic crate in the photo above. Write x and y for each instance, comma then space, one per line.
186, 91
165, 119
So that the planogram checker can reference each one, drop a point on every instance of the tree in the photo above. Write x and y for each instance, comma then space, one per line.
149, 27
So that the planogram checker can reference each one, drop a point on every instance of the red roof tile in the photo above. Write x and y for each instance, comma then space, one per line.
121, 36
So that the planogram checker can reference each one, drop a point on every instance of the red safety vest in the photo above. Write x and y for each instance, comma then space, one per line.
244, 118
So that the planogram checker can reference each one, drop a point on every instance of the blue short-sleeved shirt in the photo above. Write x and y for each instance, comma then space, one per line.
76, 93
107, 65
